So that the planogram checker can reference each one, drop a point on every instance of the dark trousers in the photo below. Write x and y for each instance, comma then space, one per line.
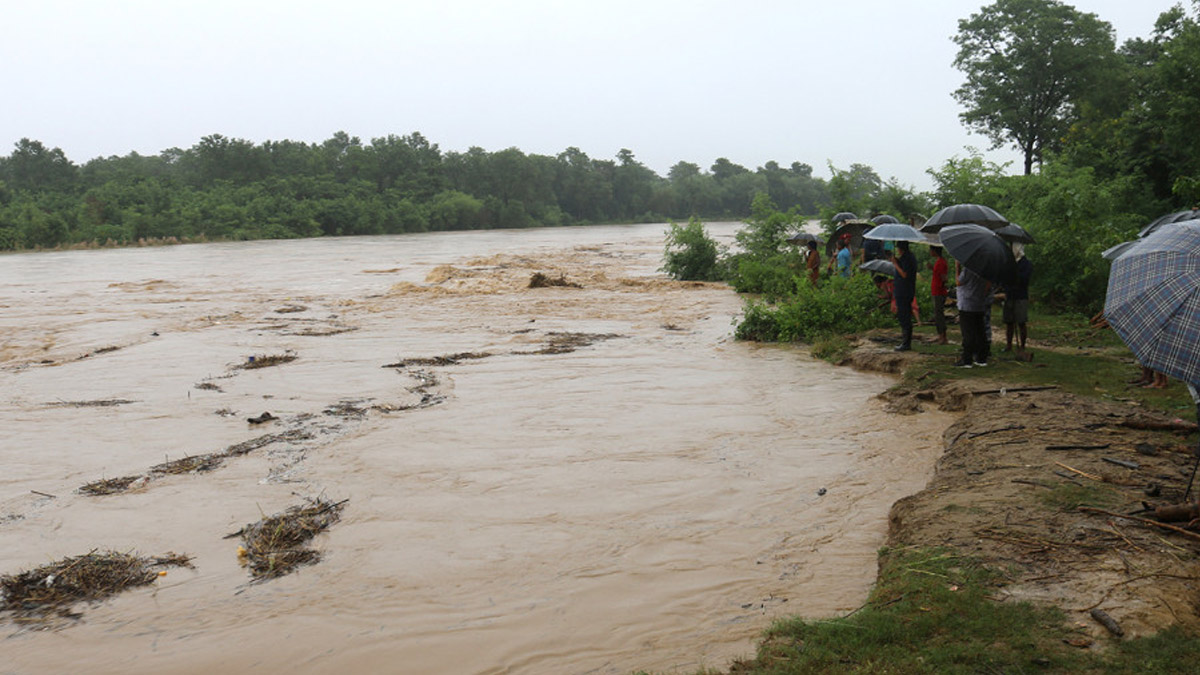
904, 314
939, 313
974, 346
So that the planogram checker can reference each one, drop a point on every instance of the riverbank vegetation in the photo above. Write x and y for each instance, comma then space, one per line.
228, 189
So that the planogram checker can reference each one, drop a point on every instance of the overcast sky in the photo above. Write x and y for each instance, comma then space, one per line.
841, 81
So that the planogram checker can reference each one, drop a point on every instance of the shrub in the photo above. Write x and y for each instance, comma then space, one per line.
691, 255
836, 306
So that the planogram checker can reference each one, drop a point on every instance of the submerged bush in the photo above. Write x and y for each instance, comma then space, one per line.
691, 255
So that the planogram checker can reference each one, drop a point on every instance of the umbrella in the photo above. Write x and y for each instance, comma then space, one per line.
1170, 218
1153, 300
1114, 252
896, 232
844, 215
855, 228
879, 267
980, 250
1014, 232
884, 218
803, 238
961, 214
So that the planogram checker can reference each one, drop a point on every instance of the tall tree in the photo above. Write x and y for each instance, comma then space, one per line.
1029, 64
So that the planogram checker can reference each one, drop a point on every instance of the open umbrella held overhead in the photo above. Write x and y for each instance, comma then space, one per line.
879, 267
804, 238
961, 214
896, 232
980, 250
1153, 302
855, 228
1014, 232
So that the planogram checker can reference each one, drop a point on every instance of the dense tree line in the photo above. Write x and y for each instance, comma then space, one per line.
228, 188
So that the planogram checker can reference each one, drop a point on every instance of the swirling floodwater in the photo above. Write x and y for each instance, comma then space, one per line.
596, 479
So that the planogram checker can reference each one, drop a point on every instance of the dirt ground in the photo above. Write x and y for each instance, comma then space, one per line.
1018, 465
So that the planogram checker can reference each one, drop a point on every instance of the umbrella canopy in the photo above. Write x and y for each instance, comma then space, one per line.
844, 215
1114, 252
879, 267
980, 250
1170, 218
855, 228
961, 214
803, 238
1014, 232
1153, 300
896, 232
884, 218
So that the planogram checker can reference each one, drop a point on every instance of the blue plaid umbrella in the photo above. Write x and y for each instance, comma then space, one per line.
1153, 300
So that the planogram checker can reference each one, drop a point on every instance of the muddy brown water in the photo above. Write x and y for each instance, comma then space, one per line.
648, 499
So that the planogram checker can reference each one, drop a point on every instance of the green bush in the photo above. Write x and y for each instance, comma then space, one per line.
837, 305
691, 255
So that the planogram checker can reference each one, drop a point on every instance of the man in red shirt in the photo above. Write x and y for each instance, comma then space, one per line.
937, 288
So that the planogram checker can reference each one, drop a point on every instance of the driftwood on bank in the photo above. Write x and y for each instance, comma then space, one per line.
1179, 530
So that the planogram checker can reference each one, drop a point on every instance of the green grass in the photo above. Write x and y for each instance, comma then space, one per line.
1070, 354
932, 612
1068, 497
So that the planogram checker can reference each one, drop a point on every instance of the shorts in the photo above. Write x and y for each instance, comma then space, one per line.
1016, 311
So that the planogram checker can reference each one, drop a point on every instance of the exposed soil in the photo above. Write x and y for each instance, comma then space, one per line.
1036, 483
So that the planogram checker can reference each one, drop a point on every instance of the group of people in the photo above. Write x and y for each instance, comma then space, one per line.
974, 296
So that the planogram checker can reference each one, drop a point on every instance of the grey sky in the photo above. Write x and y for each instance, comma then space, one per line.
847, 81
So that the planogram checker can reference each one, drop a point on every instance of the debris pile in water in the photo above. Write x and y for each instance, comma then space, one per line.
539, 280
274, 546
53, 588
267, 361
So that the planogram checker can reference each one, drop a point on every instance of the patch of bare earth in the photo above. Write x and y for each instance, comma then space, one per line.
1061, 493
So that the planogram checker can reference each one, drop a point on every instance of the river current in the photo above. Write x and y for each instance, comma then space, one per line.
596, 479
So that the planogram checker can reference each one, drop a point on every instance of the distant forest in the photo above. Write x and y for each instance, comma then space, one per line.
229, 189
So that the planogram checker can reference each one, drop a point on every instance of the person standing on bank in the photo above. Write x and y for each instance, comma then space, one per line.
813, 263
904, 292
937, 287
972, 302
1016, 301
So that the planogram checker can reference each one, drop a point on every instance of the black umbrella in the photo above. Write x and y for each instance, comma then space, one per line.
844, 215
884, 218
961, 214
855, 228
1014, 232
804, 238
879, 267
980, 250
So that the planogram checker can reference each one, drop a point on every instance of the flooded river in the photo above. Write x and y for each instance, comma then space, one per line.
603, 480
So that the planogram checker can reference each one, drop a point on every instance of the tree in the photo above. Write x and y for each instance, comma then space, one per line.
32, 166
1029, 65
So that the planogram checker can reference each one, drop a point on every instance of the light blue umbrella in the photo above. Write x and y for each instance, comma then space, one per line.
896, 232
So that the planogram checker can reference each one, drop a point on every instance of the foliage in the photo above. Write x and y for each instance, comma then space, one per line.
837, 305
1030, 65
766, 229
773, 278
229, 188
967, 180
691, 255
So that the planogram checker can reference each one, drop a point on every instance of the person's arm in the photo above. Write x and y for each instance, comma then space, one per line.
899, 269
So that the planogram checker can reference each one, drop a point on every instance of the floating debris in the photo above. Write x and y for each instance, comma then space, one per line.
564, 343
189, 464
347, 410
274, 546
291, 309
253, 362
209, 386
448, 360
110, 486
51, 590
265, 417
99, 403
539, 280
